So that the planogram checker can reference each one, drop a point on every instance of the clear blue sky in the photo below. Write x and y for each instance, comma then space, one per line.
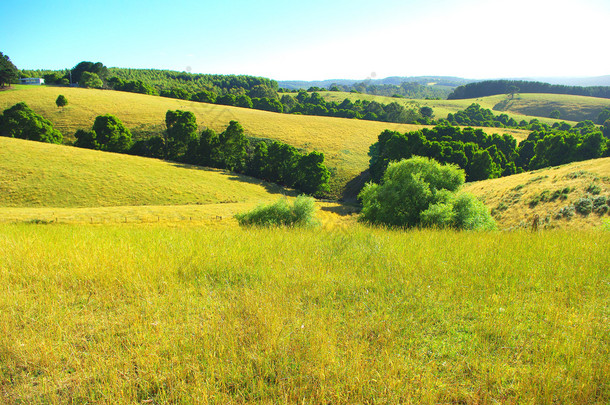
316, 39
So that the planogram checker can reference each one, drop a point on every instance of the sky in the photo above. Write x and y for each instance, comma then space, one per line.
315, 40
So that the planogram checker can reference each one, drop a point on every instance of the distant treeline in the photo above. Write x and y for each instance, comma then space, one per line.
493, 87
403, 90
485, 156
238, 91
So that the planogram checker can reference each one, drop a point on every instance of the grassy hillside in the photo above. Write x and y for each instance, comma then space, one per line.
159, 315
345, 142
52, 183
515, 200
35, 174
521, 107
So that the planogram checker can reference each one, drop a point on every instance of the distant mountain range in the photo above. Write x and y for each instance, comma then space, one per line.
393, 80
446, 81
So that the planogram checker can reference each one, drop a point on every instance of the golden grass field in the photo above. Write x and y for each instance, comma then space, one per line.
54, 183
140, 314
126, 280
345, 142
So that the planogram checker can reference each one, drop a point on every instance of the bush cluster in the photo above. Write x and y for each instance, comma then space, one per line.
281, 213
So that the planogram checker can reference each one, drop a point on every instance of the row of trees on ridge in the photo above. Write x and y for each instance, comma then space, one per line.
272, 161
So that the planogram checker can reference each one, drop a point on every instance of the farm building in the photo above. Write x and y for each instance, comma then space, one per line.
31, 80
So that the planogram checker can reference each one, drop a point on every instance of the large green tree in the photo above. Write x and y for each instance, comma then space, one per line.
181, 133
8, 71
233, 147
97, 68
20, 121
313, 175
422, 192
110, 134
90, 81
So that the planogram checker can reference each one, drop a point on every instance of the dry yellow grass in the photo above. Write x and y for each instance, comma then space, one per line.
164, 315
47, 183
509, 197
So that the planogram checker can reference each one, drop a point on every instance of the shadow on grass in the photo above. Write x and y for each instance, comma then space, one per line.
343, 210
354, 186
269, 187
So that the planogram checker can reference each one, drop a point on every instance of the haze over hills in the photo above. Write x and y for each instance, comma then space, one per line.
449, 81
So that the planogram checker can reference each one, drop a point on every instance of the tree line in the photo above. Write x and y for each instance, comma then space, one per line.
484, 156
493, 87
231, 90
268, 160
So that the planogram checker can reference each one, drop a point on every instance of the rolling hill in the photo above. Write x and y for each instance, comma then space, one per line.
547, 193
521, 107
345, 142
45, 182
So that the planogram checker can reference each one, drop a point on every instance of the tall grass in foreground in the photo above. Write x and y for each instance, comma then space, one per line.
134, 314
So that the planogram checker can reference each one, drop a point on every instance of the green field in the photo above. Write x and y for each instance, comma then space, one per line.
124, 314
345, 142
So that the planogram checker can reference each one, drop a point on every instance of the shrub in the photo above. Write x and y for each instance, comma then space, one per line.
602, 210
599, 201
20, 121
583, 206
594, 189
422, 192
281, 213
565, 212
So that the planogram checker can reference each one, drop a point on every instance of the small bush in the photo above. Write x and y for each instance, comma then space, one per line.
565, 212
599, 201
602, 210
584, 206
594, 189
280, 213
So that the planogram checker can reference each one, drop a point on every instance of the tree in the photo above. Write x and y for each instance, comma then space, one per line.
61, 101
233, 144
512, 90
90, 81
603, 116
426, 112
555, 114
263, 91
8, 71
110, 134
313, 175
181, 131
86, 139
97, 68
20, 121
283, 161
208, 153
422, 192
